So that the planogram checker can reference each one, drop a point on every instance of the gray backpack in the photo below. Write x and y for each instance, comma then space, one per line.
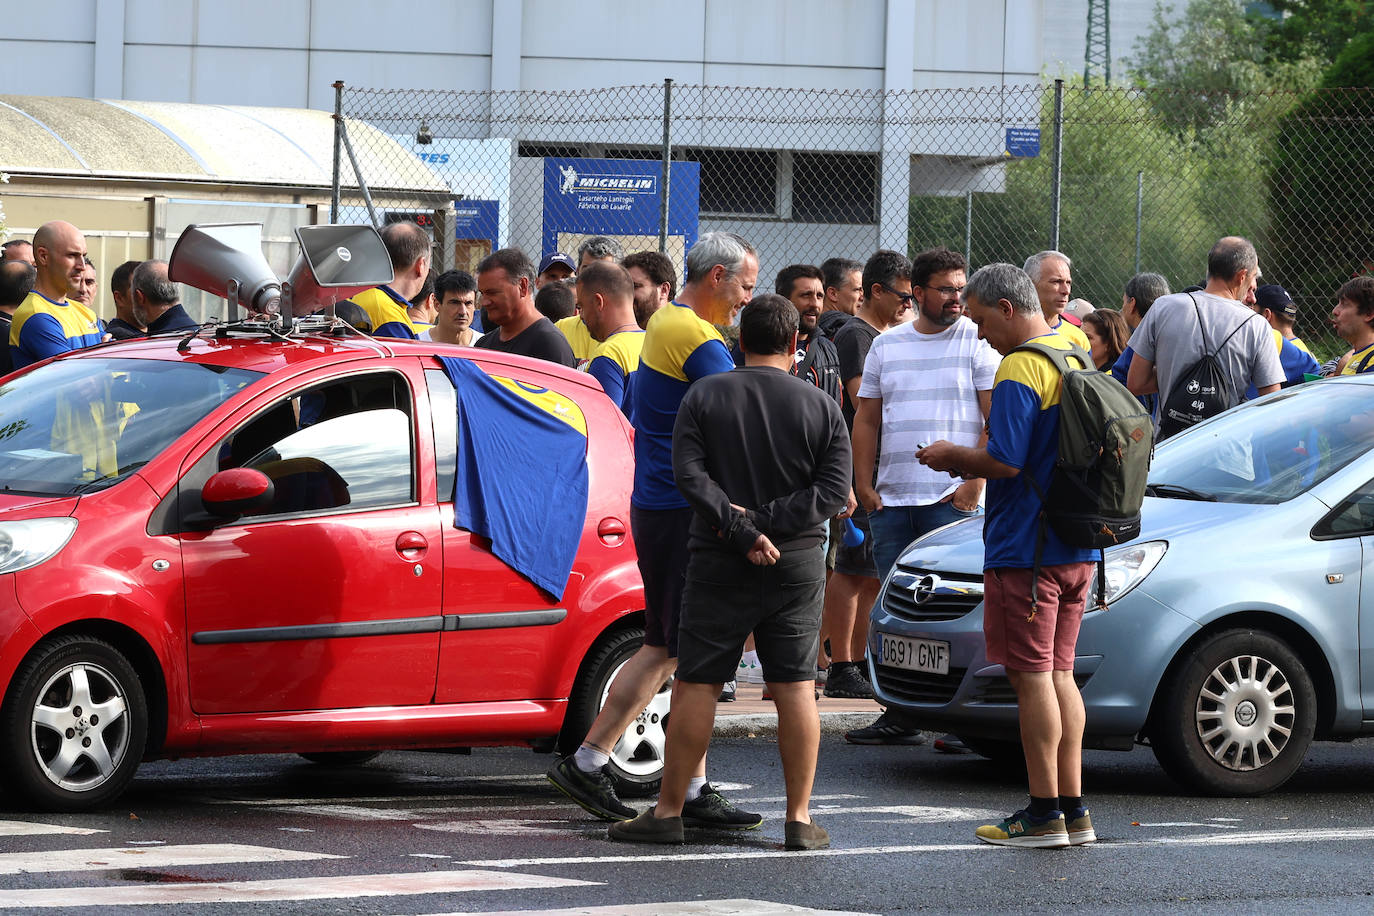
1106, 440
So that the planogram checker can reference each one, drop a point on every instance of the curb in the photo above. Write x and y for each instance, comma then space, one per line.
765, 725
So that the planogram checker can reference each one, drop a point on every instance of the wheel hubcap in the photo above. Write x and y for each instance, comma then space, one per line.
79, 731
639, 752
1245, 712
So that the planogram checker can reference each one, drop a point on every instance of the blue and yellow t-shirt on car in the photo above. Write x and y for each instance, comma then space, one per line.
1023, 432
43, 327
678, 348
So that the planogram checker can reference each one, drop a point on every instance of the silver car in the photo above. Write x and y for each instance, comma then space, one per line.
1239, 626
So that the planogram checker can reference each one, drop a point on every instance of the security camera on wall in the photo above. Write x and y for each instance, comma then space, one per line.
226, 260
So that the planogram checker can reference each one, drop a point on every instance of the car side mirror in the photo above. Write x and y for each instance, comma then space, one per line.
237, 491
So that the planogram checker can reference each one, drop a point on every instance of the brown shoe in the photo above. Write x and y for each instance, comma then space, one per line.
647, 829
800, 835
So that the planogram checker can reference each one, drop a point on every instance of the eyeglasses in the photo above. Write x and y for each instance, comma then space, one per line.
905, 297
949, 292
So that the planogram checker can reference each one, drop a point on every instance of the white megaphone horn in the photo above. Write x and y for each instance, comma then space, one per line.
226, 260
336, 263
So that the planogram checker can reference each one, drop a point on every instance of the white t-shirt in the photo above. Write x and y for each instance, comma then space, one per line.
929, 385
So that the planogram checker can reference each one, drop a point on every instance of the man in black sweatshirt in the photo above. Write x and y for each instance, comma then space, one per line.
763, 458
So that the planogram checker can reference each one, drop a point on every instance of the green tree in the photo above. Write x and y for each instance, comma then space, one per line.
1317, 28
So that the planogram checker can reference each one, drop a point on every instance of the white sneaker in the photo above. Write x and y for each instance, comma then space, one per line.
749, 672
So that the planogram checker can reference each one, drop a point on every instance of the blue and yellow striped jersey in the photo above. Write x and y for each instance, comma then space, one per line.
43, 328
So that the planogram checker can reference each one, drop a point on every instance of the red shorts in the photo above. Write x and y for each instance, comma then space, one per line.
1043, 641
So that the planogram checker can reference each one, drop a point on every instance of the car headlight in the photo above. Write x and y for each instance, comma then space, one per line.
27, 543
1126, 567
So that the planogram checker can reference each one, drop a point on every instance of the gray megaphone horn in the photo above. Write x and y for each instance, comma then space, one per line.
226, 260
336, 263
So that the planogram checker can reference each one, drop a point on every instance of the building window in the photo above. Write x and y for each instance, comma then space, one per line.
737, 182
538, 150
835, 188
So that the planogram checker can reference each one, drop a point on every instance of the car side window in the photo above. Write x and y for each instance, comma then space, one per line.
343, 444
1352, 517
443, 406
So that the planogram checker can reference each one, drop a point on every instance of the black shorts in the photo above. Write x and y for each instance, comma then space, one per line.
661, 544
858, 561
727, 598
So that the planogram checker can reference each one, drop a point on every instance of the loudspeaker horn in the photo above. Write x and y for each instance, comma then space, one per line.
225, 258
336, 262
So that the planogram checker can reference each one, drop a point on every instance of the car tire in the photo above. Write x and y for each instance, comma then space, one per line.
74, 726
636, 763
1236, 716
341, 758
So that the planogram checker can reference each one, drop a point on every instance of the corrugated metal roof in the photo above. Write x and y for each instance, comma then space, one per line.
45, 135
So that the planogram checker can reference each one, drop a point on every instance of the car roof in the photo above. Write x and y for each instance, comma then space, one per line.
261, 353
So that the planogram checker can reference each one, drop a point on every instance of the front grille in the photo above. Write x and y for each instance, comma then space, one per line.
997, 691
917, 687
920, 595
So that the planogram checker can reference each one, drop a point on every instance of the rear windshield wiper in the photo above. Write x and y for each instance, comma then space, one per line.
1178, 491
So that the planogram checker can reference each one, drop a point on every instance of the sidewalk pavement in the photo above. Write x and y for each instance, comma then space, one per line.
751, 716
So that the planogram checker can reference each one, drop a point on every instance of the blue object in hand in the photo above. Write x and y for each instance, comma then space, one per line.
853, 536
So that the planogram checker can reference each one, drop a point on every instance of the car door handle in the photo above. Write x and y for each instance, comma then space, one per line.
411, 545
611, 531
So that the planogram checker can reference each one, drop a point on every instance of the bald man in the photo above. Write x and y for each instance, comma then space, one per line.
47, 324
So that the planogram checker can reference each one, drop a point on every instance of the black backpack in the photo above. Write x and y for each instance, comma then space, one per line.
1105, 443
1202, 391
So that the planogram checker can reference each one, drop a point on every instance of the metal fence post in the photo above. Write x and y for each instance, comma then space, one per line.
667, 164
1055, 177
338, 142
1139, 210
968, 226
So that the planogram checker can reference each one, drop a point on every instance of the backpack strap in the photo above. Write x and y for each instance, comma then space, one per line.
1207, 347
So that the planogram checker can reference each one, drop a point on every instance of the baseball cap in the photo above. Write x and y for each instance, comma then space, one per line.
1078, 308
557, 257
1275, 298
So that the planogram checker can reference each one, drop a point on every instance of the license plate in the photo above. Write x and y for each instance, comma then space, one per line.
928, 655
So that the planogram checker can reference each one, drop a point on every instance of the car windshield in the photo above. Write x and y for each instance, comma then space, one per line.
1271, 450
80, 425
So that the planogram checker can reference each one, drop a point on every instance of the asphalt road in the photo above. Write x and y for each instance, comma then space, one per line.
423, 833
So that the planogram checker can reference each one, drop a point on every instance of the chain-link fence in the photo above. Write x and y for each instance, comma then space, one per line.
1125, 180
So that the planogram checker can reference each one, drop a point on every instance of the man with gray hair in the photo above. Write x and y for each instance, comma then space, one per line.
1037, 649
1141, 292
1051, 273
1179, 329
157, 306
680, 346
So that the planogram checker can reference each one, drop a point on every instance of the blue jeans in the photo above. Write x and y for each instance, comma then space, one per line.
894, 527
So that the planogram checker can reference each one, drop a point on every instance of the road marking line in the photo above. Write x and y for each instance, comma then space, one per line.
1185, 824
734, 854
683, 908
27, 828
513, 827
13, 863
1258, 837
920, 814
286, 889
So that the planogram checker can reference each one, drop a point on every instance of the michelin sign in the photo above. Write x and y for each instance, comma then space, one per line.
620, 198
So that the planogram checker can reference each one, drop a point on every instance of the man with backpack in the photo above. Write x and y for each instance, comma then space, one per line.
1038, 559
1201, 350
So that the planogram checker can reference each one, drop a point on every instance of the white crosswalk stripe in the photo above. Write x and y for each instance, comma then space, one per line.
284, 889
29, 828
13, 863
685, 908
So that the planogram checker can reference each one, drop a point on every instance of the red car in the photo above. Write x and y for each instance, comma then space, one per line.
245, 544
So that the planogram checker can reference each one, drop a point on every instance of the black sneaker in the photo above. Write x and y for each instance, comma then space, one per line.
848, 682
593, 791
711, 809
886, 729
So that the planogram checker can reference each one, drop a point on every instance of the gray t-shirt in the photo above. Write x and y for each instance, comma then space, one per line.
1169, 336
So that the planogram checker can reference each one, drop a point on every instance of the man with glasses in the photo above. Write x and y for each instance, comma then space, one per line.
927, 380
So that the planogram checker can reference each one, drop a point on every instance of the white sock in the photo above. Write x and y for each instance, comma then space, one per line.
694, 788
589, 759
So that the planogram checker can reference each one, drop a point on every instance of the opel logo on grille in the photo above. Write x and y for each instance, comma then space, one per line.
925, 587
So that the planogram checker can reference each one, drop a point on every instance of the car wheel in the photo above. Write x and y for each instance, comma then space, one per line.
342, 758
636, 762
1237, 715
75, 725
